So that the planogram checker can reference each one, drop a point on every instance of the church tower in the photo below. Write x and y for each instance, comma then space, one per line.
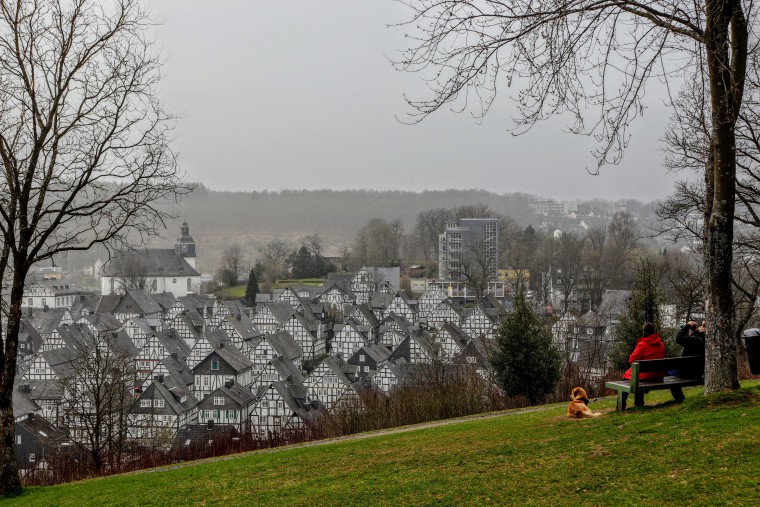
185, 246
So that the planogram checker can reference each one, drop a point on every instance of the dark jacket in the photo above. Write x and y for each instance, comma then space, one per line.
648, 347
693, 345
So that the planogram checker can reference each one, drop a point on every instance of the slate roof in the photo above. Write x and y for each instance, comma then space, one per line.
296, 396
455, 332
178, 369
61, 361
239, 395
281, 310
43, 389
198, 435
178, 398
173, 343
155, 262
89, 303
342, 280
138, 301
164, 299
102, 322
244, 326
286, 369
46, 321
284, 345
22, 403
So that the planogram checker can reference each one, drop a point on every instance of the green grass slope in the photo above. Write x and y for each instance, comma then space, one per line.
705, 451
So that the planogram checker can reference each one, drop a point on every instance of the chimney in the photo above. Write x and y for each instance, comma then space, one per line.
228, 384
25, 388
30, 416
174, 355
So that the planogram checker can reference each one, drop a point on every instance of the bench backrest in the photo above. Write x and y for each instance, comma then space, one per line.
671, 363
663, 365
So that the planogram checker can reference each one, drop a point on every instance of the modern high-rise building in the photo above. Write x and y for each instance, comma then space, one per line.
470, 243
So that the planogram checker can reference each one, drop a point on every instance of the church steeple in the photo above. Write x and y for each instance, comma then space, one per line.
185, 246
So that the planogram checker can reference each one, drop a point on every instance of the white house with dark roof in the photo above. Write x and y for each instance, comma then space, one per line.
333, 381
161, 410
161, 269
52, 294
221, 365
228, 404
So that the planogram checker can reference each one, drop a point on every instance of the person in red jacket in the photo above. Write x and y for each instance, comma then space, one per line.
649, 346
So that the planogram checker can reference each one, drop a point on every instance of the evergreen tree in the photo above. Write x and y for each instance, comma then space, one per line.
525, 362
302, 263
643, 306
251, 289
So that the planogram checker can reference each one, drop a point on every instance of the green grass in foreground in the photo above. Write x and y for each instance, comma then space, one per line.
705, 451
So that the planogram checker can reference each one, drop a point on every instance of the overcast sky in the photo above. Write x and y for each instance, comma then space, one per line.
299, 94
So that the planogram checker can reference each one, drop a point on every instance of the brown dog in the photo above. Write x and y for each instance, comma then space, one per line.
578, 408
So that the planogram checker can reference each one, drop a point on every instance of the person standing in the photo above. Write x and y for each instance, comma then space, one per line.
692, 339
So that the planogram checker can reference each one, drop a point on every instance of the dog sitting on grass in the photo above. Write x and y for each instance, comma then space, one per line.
578, 408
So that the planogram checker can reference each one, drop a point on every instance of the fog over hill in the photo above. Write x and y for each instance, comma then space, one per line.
251, 219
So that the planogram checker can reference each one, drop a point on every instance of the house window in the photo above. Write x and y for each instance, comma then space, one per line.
589, 331
31, 302
158, 403
214, 365
174, 281
154, 285
205, 381
18, 439
218, 400
43, 303
188, 285
361, 358
32, 457
197, 381
145, 403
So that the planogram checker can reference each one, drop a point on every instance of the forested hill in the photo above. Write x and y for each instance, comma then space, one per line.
251, 219
233, 212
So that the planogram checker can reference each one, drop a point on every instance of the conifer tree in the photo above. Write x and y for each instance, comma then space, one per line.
643, 306
525, 362
251, 289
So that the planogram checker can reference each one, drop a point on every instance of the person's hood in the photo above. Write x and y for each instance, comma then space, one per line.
652, 339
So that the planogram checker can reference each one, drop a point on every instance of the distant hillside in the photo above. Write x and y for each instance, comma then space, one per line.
251, 219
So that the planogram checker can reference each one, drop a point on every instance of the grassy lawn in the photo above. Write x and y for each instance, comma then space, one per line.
705, 451
237, 292
307, 282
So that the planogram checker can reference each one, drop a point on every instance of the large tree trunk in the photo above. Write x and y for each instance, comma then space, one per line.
726, 59
10, 483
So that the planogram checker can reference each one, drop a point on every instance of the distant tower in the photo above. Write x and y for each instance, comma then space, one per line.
185, 246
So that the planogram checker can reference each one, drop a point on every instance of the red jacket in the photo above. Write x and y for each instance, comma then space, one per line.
648, 347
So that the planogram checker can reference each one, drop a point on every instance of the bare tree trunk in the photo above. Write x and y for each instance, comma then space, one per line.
10, 483
726, 71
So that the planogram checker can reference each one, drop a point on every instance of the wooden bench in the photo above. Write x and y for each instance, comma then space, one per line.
639, 388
